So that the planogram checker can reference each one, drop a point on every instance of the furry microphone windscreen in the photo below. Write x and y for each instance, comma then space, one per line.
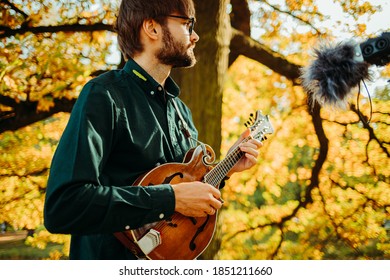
333, 74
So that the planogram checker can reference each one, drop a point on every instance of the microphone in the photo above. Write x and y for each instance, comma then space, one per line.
377, 50
339, 68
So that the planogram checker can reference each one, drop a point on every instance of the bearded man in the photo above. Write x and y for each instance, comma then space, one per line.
124, 123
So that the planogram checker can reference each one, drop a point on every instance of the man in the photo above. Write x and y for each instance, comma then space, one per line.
123, 124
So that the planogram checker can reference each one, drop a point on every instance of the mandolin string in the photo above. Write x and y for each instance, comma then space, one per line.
219, 172
216, 175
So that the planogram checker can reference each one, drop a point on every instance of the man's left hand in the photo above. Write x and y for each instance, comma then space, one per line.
250, 148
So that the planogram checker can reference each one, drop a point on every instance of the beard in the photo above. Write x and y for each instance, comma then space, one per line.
175, 53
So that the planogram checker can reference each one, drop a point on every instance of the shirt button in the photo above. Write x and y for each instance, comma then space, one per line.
161, 216
152, 92
159, 88
127, 227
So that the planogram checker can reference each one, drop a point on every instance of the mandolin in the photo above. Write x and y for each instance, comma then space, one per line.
182, 237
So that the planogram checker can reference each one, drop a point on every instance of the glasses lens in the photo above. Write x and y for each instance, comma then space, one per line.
191, 26
191, 22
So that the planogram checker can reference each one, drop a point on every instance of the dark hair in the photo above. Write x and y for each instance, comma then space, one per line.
132, 13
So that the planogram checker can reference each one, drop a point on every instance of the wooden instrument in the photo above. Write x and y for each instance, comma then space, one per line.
179, 236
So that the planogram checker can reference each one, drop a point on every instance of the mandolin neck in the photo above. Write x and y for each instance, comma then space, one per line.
215, 176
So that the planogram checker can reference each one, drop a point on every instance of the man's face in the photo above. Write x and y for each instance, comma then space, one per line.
176, 52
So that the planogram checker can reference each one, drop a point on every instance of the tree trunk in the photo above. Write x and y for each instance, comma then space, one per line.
202, 85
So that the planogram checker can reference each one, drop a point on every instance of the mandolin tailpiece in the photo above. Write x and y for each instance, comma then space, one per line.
149, 241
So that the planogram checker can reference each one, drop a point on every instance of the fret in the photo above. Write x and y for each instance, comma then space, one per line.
215, 176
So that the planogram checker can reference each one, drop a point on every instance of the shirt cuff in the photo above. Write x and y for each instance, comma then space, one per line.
163, 202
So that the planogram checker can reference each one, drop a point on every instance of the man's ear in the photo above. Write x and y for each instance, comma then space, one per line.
151, 28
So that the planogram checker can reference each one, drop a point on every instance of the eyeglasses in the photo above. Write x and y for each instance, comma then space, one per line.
191, 22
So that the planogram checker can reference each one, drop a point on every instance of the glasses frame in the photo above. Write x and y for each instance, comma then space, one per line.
191, 19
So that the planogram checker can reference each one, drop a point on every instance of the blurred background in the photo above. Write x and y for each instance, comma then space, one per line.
321, 187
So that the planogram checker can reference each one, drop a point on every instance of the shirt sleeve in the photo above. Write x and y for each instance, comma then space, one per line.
76, 201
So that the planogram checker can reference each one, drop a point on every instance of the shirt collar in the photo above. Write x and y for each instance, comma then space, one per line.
147, 83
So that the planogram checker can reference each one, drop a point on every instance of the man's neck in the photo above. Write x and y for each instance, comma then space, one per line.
154, 68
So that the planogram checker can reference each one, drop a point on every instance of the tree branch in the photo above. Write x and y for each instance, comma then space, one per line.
290, 13
8, 101
370, 130
7, 32
16, 9
251, 48
315, 113
26, 113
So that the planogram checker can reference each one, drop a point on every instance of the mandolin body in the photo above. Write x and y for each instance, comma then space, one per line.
182, 237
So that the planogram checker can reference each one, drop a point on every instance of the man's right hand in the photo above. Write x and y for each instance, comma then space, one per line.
196, 199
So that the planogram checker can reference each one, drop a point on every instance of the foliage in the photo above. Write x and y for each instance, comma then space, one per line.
25, 160
20, 251
278, 211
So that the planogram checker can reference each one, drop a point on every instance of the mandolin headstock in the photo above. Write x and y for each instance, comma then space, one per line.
259, 126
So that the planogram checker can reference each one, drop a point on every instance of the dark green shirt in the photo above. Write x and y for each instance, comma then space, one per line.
122, 125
